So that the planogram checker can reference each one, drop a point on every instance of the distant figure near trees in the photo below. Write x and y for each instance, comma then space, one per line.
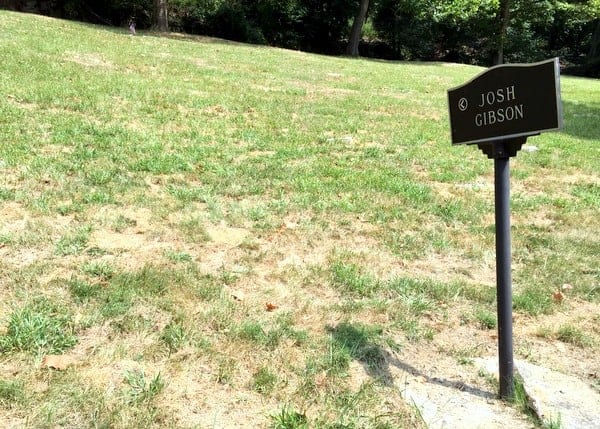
131, 27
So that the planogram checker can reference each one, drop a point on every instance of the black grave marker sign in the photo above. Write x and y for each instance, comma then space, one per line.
498, 110
505, 102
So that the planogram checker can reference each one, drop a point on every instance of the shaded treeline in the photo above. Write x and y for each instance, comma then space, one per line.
468, 31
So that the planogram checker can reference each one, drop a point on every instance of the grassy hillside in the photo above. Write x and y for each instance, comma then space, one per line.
195, 233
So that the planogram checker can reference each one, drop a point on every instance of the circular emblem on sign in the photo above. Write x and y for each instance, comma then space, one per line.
463, 103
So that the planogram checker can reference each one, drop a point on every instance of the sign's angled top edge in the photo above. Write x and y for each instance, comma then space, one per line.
480, 74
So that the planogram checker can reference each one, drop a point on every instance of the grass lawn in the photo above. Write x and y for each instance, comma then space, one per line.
197, 233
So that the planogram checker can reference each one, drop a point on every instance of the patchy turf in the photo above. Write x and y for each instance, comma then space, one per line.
197, 233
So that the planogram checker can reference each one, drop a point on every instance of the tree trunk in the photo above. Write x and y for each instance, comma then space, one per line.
504, 17
595, 43
160, 15
356, 32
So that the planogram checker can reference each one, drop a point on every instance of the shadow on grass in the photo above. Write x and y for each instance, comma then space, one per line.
197, 38
363, 343
581, 120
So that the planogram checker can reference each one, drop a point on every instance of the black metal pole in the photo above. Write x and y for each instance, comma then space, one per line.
503, 271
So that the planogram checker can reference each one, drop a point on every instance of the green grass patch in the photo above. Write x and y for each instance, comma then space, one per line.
73, 243
140, 388
41, 326
349, 277
264, 380
271, 334
486, 319
288, 418
571, 334
174, 335
82, 290
12, 393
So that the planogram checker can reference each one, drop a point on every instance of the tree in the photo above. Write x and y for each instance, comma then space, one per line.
594, 52
324, 24
406, 27
356, 31
160, 15
503, 18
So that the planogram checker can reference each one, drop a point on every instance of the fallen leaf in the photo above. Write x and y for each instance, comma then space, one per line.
567, 286
270, 307
58, 362
558, 297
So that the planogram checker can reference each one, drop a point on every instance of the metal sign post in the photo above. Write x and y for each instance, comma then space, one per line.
501, 151
503, 275
498, 110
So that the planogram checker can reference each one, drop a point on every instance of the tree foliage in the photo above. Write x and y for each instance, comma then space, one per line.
314, 25
479, 31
